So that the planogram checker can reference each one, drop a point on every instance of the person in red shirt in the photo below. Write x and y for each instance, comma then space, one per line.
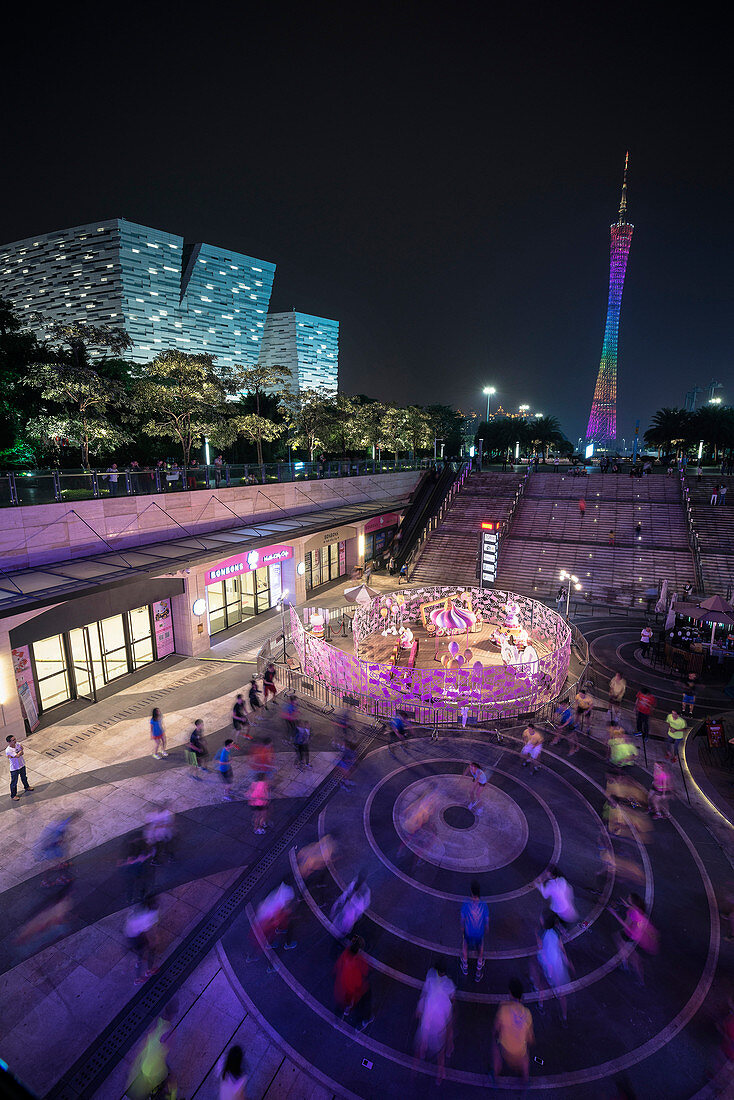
645, 703
352, 988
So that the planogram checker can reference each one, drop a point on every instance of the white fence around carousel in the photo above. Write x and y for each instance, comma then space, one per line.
497, 691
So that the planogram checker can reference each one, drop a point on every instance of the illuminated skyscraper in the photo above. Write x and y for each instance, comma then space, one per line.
164, 291
602, 429
307, 346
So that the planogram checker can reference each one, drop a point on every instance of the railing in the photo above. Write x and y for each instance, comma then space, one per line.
49, 486
507, 521
438, 516
693, 539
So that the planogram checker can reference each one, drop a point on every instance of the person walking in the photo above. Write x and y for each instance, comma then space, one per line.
269, 687
259, 799
512, 1035
699, 472
158, 833
611, 537
637, 929
352, 992
676, 732
722, 494
474, 922
350, 905
645, 639
551, 966
223, 760
559, 894
253, 697
196, 752
645, 703
617, 689
290, 716
240, 720
638, 530
158, 734
301, 740
232, 1074
584, 701
566, 727
582, 507
435, 1033
397, 731
14, 753
140, 931
689, 693
532, 747
715, 495
560, 597
479, 786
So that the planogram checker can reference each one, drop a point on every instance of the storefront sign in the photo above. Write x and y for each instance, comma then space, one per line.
390, 519
247, 563
163, 628
326, 538
26, 688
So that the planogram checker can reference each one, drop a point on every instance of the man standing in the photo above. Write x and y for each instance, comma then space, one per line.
645, 639
112, 476
14, 753
676, 732
474, 921
644, 706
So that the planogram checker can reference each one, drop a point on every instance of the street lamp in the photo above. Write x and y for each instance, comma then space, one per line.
283, 595
488, 391
571, 580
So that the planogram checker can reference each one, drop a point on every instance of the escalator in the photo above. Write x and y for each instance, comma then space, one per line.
427, 499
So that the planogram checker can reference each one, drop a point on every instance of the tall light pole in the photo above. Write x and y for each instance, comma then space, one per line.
488, 391
571, 580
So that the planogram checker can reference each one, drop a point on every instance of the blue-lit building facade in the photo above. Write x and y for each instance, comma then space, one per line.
307, 346
164, 291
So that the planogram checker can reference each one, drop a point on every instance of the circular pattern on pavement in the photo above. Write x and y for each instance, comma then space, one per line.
409, 825
431, 821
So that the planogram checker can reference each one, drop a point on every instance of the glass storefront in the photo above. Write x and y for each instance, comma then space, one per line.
236, 599
375, 544
326, 564
76, 665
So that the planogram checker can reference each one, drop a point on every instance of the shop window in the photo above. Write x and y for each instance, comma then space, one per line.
232, 601
114, 649
262, 590
141, 637
52, 671
215, 605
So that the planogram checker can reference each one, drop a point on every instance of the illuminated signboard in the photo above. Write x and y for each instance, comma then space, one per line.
489, 548
247, 563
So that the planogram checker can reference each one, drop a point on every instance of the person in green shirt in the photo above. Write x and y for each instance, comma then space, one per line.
676, 732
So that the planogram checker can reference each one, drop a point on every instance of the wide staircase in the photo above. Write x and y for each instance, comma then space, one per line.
714, 524
549, 534
449, 555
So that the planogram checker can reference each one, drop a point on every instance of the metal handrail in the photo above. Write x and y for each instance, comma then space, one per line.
438, 516
693, 539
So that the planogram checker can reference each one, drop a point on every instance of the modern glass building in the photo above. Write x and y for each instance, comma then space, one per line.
307, 346
164, 291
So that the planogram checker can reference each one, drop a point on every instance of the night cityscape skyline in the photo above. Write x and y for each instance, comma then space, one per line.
453, 218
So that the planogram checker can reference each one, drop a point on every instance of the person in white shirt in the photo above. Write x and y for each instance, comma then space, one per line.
559, 894
14, 753
645, 639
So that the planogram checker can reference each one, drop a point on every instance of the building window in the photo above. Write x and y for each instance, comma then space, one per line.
326, 564
52, 671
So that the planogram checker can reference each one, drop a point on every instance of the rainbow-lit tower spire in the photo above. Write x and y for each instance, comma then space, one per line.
602, 429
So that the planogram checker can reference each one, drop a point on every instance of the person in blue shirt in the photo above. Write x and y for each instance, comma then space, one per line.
224, 767
566, 726
474, 922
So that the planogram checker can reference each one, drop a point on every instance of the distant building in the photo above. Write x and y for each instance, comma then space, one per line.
164, 291
308, 346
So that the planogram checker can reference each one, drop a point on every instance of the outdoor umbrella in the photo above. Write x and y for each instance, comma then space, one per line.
712, 610
361, 594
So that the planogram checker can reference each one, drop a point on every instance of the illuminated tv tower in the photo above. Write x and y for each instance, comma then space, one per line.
602, 429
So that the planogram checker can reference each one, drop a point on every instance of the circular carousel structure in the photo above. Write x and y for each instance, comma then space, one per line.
483, 652
411, 827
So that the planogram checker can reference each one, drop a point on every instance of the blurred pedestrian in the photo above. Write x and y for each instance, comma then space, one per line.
150, 1073
269, 687
513, 1035
352, 992
223, 760
551, 966
301, 740
565, 726
350, 905
617, 689
159, 832
532, 747
290, 716
435, 1034
582, 508
660, 790
196, 752
14, 753
158, 734
559, 894
638, 930
140, 931
259, 799
689, 693
232, 1074
478, 786
645, 703
135, 868
474, 923
347, 764
253, 696
240, 720
584, 705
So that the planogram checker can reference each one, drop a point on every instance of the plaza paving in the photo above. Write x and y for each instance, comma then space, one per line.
76, 1018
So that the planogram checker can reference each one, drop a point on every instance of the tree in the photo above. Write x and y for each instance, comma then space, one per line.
257, 429
77, 341
342, 430
185, 399
309, 417
85, 401
395, 429
669, 430
18, 350
714, 425
257, 383
370, 422
544, 431
92, 434
417, 428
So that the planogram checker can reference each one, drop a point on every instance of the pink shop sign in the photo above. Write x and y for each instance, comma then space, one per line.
247, 563
390, 519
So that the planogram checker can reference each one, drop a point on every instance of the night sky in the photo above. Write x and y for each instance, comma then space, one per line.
441, 179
